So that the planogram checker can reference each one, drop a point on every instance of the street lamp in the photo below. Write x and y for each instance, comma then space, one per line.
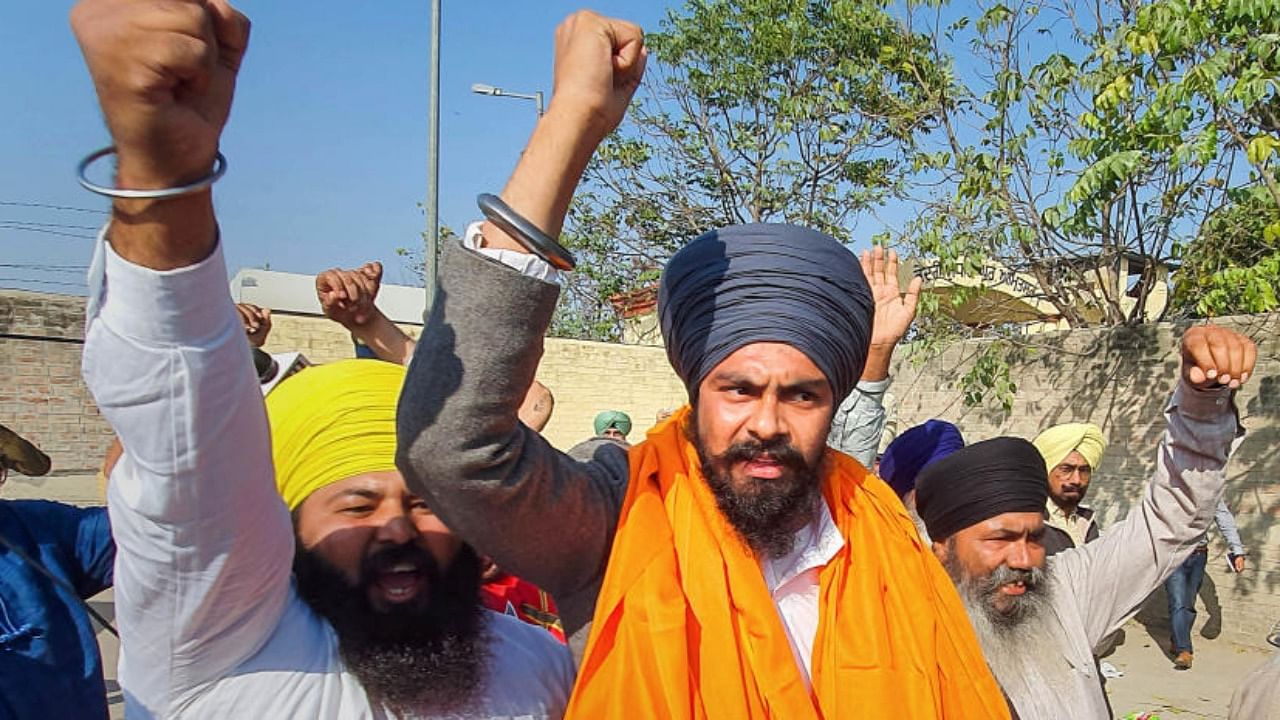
482, 89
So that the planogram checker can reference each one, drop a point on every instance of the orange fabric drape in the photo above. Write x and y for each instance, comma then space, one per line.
685, 626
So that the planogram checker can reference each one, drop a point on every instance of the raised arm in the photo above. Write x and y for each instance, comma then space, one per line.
1114, 574
204, 544
859, 421
537, 512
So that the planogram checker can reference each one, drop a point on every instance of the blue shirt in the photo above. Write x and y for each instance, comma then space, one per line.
49, 660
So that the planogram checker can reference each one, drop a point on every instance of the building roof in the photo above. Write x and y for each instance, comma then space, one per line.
296, 293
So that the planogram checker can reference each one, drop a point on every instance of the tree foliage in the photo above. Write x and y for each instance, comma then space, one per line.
800, 111
1119, 140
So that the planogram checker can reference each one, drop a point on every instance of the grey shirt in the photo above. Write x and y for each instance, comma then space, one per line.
859, 422
1258, 697
1096, 588
1226, 523
539, 513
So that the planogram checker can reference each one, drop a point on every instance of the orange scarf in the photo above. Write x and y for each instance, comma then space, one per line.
685, 626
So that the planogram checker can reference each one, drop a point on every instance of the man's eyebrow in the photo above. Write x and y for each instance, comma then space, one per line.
363, 493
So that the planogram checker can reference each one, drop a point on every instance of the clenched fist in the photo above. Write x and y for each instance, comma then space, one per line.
347, 296
1213, 356
165, 72
598, 66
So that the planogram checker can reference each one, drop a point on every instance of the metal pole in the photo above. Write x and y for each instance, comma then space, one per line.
433, 163
539, 101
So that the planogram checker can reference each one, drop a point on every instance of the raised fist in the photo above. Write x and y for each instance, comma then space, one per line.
599, 64
165, 72
257, 323
346, 296
1213, 355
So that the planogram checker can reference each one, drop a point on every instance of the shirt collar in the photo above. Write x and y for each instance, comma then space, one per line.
815, 545
1082, 511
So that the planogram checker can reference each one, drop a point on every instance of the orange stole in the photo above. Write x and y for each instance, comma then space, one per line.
685, 626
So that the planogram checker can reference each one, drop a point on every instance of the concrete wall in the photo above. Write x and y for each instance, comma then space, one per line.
1120, 381
1117, 379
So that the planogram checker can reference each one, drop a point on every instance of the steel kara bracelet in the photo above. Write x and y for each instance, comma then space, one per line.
526, 233
219, 169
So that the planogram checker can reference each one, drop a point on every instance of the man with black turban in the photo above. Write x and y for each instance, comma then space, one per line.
1041, 622
731, 565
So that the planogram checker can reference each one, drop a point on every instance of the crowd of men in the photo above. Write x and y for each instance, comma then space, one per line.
391, 535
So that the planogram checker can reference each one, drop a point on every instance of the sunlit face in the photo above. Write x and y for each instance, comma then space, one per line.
1013, 540
614, 433
1069, 480
764, 392
350, 522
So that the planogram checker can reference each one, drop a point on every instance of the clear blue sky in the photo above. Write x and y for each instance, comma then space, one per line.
327, 142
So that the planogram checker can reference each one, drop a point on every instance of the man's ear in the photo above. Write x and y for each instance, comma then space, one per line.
941, 550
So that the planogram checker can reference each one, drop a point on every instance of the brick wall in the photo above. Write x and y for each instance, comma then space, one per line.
43, 398
1120, 380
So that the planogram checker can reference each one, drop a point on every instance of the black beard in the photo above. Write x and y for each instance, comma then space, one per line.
426, 657
765, 513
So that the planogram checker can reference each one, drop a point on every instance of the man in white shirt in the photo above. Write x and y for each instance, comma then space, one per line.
212, 624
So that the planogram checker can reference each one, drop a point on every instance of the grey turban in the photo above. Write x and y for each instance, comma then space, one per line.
747, 284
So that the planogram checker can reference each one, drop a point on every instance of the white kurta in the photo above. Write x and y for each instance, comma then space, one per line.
209, 620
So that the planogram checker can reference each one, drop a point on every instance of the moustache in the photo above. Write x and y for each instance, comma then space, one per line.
1005, 575
385, 560
778, 450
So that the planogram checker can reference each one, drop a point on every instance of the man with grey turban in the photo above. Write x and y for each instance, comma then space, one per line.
1043, 620
714, 557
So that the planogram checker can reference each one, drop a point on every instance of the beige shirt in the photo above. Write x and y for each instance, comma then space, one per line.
1073, 524
1096, 588
1258, 697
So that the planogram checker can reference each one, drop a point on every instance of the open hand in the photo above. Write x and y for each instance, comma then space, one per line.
894, 311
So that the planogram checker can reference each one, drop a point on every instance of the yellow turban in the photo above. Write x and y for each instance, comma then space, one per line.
1056, 443
331, 422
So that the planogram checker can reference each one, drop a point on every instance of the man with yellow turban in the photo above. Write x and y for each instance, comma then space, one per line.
376, 614
1071, 453
731, 565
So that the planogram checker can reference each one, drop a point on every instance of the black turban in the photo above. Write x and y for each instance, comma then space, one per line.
747, 284
1001, 475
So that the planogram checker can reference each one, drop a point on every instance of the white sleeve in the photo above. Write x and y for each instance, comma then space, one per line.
204, 543
526, 263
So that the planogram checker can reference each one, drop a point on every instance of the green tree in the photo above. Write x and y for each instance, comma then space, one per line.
1120, 142
1233, 267
802, 111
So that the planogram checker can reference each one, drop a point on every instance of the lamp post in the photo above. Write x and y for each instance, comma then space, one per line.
433, 163
482, 89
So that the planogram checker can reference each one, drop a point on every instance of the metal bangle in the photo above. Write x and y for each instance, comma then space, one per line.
219, 169
525, 232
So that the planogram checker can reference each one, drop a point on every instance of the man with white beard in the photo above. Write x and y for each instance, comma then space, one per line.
1040, 621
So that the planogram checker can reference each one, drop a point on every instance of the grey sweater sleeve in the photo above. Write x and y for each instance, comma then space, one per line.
538, 513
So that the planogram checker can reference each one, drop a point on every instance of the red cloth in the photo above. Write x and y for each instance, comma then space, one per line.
510, 595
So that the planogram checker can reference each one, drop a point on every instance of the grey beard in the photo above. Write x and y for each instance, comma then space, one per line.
1022, 647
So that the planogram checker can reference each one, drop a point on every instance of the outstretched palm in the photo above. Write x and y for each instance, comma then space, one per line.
894, 310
